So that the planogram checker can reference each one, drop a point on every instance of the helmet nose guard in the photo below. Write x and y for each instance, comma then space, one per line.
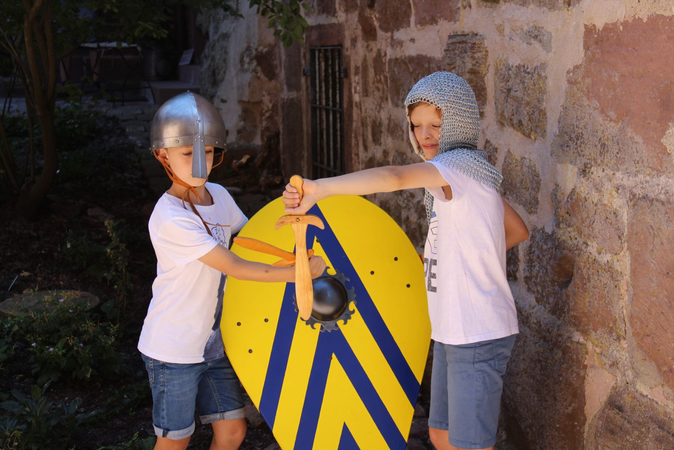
189, 119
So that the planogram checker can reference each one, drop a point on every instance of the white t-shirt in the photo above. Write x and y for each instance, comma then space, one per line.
183, 320
469, 299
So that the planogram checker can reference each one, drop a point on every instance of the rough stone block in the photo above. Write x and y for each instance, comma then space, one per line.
325, 34
631, 421
595, 297
214, 63
521, 182
266, 60
520, 98
589, 211
396, 130
601, 123
249, 122
586, 138
623, 62
292, 137
374, 130
548, 270
40, 301
392, 16
406, 71
430, 12
368, 27
324, 8
512, 263
351, 6
554, 5
539, 35
543, 398
375, 80
492, 152
467, 56
407, 209
650, 240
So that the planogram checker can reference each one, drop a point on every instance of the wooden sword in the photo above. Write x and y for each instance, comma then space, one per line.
304, 289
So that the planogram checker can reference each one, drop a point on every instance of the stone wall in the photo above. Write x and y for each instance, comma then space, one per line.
577, 106
240, 75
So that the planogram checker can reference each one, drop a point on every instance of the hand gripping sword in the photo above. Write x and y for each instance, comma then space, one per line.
304, 289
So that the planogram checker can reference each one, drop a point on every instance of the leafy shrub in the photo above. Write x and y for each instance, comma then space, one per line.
118, 260
65, 339
133, 444
99, 262
34, 422
83, 255
6, 349
75, 127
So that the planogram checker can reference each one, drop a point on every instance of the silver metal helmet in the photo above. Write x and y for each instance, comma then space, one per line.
189, 119
451, 94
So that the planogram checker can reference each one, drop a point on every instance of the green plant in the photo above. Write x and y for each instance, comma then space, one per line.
10, 435
133, 444
82, 254
109, 263
118, 260
127, 400
65, 339
75, 127
6, 349
34, 422
37, 35
285, 16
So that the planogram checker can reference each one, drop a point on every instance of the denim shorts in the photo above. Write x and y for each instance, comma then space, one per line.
211, 388
466, 387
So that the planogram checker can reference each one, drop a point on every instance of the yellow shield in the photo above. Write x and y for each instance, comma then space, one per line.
333, 384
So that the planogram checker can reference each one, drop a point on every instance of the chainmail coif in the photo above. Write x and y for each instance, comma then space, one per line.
459, 129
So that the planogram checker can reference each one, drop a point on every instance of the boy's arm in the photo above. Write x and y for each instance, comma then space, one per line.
516, 230
369, 181
224, 260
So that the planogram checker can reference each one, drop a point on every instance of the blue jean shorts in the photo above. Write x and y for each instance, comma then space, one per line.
211, 388
466, 387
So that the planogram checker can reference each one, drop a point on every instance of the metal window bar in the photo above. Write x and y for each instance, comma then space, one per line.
327, 112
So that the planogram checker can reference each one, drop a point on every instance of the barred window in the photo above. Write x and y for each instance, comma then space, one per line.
327, 113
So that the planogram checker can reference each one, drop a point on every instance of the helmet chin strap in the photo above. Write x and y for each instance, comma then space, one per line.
189, 189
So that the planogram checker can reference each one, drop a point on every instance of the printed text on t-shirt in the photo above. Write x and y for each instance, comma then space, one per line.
429, 271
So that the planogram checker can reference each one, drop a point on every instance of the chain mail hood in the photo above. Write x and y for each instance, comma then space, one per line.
459, 128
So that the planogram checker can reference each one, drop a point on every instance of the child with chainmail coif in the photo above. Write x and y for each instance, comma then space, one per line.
472, 311
181, 342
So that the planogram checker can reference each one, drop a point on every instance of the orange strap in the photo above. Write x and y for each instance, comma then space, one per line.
190, 189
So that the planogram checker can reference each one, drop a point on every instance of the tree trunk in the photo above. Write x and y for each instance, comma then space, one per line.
32, 195
42, 65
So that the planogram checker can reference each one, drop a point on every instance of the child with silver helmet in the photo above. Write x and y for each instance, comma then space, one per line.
181, 342
472, 311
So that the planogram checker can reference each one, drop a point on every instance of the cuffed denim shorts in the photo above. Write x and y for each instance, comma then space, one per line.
211, 388
466, 387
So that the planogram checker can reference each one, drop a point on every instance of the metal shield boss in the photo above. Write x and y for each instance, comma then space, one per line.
349, 376
189, 119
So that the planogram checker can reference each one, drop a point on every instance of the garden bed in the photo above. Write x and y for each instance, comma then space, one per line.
91, 236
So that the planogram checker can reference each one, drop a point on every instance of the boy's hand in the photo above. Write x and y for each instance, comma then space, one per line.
316, 266
291, 198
